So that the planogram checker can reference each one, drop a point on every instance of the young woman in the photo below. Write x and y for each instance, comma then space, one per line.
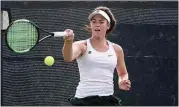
97, 58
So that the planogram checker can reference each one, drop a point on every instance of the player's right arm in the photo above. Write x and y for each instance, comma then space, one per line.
71, 50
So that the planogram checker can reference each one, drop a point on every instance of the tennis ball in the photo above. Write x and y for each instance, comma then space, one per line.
49, 61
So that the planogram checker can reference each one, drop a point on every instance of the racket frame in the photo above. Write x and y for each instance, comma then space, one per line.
38, 35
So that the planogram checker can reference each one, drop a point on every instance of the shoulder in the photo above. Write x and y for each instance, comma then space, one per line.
118, 49
81, 44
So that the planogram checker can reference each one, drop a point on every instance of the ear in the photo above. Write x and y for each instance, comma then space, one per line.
109, 26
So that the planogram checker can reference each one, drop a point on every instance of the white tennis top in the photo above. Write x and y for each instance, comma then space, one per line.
96, 72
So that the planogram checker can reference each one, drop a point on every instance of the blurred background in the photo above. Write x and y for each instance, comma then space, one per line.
147, 31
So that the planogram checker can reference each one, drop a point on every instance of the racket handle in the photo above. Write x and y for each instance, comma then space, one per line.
60, 34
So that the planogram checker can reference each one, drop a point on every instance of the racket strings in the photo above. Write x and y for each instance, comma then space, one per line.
22, 36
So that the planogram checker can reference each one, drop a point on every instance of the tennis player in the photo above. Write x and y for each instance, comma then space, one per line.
97, 58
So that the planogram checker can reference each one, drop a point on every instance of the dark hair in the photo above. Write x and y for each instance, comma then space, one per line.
111, 16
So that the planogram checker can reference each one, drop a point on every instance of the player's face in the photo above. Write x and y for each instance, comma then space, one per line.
99, 25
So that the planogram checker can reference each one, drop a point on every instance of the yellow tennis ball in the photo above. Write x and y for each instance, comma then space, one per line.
49, 60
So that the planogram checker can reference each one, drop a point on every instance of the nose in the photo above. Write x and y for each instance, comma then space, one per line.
97, 24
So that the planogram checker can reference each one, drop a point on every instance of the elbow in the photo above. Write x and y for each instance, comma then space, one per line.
68, 60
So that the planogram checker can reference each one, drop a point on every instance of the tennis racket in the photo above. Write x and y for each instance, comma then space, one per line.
22, 35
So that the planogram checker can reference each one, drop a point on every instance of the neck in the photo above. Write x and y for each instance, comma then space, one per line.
98, 41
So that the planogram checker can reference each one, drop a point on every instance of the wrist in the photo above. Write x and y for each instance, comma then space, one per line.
68, 41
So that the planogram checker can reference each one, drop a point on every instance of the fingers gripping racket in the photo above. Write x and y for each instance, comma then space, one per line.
22, 35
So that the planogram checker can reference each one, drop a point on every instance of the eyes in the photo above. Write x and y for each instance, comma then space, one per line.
100, 21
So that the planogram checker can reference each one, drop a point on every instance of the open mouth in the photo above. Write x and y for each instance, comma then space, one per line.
97, 29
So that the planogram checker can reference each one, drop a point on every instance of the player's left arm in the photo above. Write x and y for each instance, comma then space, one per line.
123, 81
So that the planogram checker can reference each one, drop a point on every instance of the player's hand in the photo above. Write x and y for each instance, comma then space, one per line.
70, 35
125, 85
